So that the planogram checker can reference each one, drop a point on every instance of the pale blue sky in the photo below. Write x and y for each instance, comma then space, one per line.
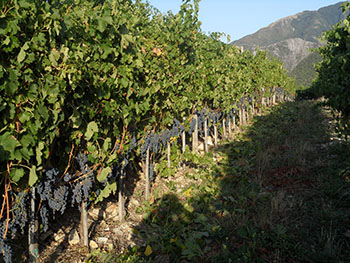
239, 18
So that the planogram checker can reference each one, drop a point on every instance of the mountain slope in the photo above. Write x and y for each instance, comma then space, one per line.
290, 38
305, 72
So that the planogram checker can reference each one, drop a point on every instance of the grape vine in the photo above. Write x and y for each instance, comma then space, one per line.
86, 87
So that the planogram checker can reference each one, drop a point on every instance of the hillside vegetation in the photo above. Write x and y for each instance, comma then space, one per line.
333, 76
305, 72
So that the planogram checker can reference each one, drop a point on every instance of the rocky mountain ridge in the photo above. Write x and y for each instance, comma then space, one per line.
291, 38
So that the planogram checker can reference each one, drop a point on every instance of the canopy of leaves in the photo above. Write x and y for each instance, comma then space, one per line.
333, 81
86, 75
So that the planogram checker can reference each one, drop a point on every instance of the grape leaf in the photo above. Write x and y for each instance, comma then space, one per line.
103, 175
21, 55
16, 174
32, 176
8, 142
90, 130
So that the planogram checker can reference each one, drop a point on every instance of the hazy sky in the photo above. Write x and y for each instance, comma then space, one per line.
242, 17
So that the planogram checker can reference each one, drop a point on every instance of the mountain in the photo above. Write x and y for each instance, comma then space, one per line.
305, 72
291, 38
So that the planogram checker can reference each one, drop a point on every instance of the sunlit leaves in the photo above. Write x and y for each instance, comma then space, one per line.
333, 78
32, 176
90, 130
80, 74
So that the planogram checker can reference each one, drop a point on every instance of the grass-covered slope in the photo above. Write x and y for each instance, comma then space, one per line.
305, 71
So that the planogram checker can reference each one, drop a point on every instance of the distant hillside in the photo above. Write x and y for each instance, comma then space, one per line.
305, 72
291, 38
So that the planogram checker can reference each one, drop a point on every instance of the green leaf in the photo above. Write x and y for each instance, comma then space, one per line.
138, 63
17, 155
8, 142
54, 57
24, 116
24, 4
76, 119
109, 188
112, 158
39, 153
101, 25
26, 154
26, 140
106, 144
16, 174
90, 130
21, 55
103, 175
32, 176
7, 41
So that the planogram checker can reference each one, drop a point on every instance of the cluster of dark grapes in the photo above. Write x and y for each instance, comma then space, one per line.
202, 116
279, 91
19, 218
192, 126
214, 117
152, 141
133, 145
232, 113
5, 248
241, 103
250, 100
53, 193
19, 213
83, 183
176, 129
145, 146
165, 137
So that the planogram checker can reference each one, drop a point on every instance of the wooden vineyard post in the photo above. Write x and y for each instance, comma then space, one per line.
234, 122
215, 135
206, 135
84, 223
229, 128
274, 98
263, 101
195, 136
147, 186
33, 230
121, 197
183, 135
169, 153
244, 116
240, 117
224, 128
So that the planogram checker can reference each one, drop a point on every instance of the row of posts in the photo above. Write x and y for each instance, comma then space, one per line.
244, 116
